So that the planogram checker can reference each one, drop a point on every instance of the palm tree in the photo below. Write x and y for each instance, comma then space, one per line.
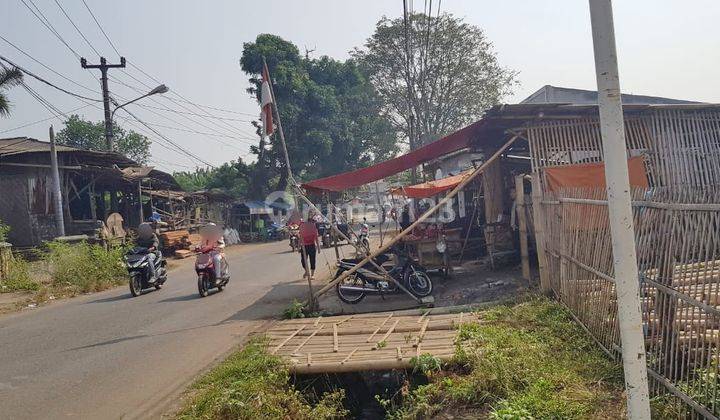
8, 79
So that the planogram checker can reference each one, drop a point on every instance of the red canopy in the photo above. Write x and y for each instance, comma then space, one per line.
448, 144
431, 188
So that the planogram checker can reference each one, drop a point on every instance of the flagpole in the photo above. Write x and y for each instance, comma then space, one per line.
311, 300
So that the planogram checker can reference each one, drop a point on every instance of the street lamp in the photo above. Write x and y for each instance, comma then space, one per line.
158, 90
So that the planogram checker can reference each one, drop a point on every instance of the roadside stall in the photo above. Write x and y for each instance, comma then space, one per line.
435, 245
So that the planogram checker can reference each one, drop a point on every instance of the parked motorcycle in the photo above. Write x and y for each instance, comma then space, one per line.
294, 237
137, 262
205, 269
368, 279
324, 233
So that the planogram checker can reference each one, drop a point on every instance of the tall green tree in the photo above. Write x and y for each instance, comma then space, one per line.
448, 66
331, 114
231, 177
91, 135
9, 77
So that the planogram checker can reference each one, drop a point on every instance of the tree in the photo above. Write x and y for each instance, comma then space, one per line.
331, 114
91, 135
452, 73
9, 77
232, 177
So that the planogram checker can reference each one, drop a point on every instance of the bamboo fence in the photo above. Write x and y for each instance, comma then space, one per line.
677, 235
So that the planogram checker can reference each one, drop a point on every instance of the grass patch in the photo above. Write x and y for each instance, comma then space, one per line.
18, 278
84, 268
527, 361
252, 384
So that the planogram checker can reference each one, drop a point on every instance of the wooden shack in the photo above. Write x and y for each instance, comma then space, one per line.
94, 184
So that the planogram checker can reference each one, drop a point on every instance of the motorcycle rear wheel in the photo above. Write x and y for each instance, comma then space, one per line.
350, 296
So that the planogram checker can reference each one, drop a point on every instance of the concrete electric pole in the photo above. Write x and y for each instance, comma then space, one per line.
104, 66
627, 288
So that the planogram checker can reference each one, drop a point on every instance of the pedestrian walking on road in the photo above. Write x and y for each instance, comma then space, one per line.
309, 238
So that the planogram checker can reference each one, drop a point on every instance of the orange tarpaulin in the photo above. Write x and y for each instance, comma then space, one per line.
428, 189
592, 175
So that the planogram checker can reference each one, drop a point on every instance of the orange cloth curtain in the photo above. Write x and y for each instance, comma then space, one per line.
592, 175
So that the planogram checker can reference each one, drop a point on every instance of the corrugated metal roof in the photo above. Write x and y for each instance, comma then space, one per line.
16, 146
21, 145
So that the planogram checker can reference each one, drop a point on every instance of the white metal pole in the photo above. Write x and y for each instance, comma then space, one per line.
57, 193
612, 128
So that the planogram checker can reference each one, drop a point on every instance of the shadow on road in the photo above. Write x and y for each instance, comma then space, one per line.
273, 302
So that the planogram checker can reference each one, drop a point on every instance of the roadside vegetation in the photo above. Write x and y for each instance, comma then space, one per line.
64, 270
253, 384
522, 361
525, 360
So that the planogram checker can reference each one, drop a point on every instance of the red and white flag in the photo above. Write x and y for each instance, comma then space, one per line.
266, 103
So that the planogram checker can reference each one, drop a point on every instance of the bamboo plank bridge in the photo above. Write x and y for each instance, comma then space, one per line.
374, 341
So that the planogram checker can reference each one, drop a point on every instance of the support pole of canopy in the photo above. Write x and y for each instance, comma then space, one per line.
612, 129
311, 303
420, 219
381, 212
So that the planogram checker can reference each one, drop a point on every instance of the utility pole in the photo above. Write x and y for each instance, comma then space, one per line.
57, 193
627, 288
104, 66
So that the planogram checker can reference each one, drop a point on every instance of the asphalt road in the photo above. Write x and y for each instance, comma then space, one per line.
110, 356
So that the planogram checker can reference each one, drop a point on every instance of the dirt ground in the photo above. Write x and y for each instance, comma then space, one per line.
471, 283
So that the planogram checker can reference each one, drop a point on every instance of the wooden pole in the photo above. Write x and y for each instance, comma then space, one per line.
539, 218
419, 220
522, 225
333, 220
311, 303
381, 212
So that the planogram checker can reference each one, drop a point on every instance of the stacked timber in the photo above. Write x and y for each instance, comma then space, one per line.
180, 242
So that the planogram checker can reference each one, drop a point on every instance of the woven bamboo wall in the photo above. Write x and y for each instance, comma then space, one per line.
677, 228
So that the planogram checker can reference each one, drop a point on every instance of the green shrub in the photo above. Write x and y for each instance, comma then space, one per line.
18, 277
426, 363
85, 267
4, 230
252, 384
294, 310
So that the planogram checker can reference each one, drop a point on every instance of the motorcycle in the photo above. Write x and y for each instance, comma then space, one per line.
294, 237
137, 262
324, 233
368, 279
205, 269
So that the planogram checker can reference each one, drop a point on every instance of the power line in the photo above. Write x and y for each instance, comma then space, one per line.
246, 135
44, 119
76, 28
33, 75
180, 148
48, 25
46, 66
101, 28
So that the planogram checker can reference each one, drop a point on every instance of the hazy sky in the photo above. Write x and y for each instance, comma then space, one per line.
666, 48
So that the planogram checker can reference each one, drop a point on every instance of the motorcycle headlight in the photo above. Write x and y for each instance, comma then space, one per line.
202, 266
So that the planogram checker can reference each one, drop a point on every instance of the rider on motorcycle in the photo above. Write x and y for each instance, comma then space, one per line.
212, 237
149, 240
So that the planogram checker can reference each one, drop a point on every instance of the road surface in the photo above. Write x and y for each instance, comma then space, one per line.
110, 356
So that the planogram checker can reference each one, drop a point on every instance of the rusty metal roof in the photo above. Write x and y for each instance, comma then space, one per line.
22, 145
124, 167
